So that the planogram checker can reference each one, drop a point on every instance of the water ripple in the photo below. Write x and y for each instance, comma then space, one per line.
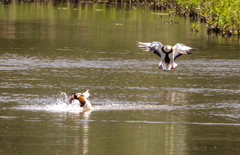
188, 123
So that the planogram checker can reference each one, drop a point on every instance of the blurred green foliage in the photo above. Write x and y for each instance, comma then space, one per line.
220, 15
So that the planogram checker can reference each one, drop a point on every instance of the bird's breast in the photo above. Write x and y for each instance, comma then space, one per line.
167, 59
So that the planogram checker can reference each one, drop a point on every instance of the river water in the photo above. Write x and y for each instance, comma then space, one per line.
48, 51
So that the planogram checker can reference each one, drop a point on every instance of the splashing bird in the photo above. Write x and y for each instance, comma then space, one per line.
167, 53
83, 99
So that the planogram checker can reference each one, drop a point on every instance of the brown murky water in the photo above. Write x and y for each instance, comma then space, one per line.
48, 51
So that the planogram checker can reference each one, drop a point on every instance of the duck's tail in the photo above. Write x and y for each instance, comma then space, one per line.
86, 94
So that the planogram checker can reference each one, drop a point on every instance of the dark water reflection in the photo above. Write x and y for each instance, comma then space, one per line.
49, 51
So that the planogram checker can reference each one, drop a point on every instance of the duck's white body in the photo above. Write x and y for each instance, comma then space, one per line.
167, 53
167, 66
87, 105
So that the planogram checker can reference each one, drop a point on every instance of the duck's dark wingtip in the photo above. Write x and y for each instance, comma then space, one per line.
192, 50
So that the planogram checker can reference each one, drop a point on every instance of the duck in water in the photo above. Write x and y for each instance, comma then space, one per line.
83, 99
167, 53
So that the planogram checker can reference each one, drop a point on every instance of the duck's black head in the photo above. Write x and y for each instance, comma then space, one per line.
74, 94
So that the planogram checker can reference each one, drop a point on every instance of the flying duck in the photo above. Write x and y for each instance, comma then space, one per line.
167, 53
83, 99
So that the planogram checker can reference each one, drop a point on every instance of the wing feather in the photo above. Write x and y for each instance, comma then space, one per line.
181, 49
154, 47
144, 46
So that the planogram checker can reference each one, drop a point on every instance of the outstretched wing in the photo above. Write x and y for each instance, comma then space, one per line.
180, 49
155, 47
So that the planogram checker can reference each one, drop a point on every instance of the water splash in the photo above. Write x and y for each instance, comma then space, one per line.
59, 103
56, 104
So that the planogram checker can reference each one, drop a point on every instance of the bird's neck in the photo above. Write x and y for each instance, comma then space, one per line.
167, 52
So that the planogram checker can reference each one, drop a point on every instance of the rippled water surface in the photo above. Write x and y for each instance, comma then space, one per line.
48, 51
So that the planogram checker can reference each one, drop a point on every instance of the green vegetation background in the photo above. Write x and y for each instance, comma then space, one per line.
221, 16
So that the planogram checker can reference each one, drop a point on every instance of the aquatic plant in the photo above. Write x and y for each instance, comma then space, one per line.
221, 16
195, 27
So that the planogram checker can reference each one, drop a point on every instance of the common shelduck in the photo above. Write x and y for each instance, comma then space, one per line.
83, 99
167, 53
